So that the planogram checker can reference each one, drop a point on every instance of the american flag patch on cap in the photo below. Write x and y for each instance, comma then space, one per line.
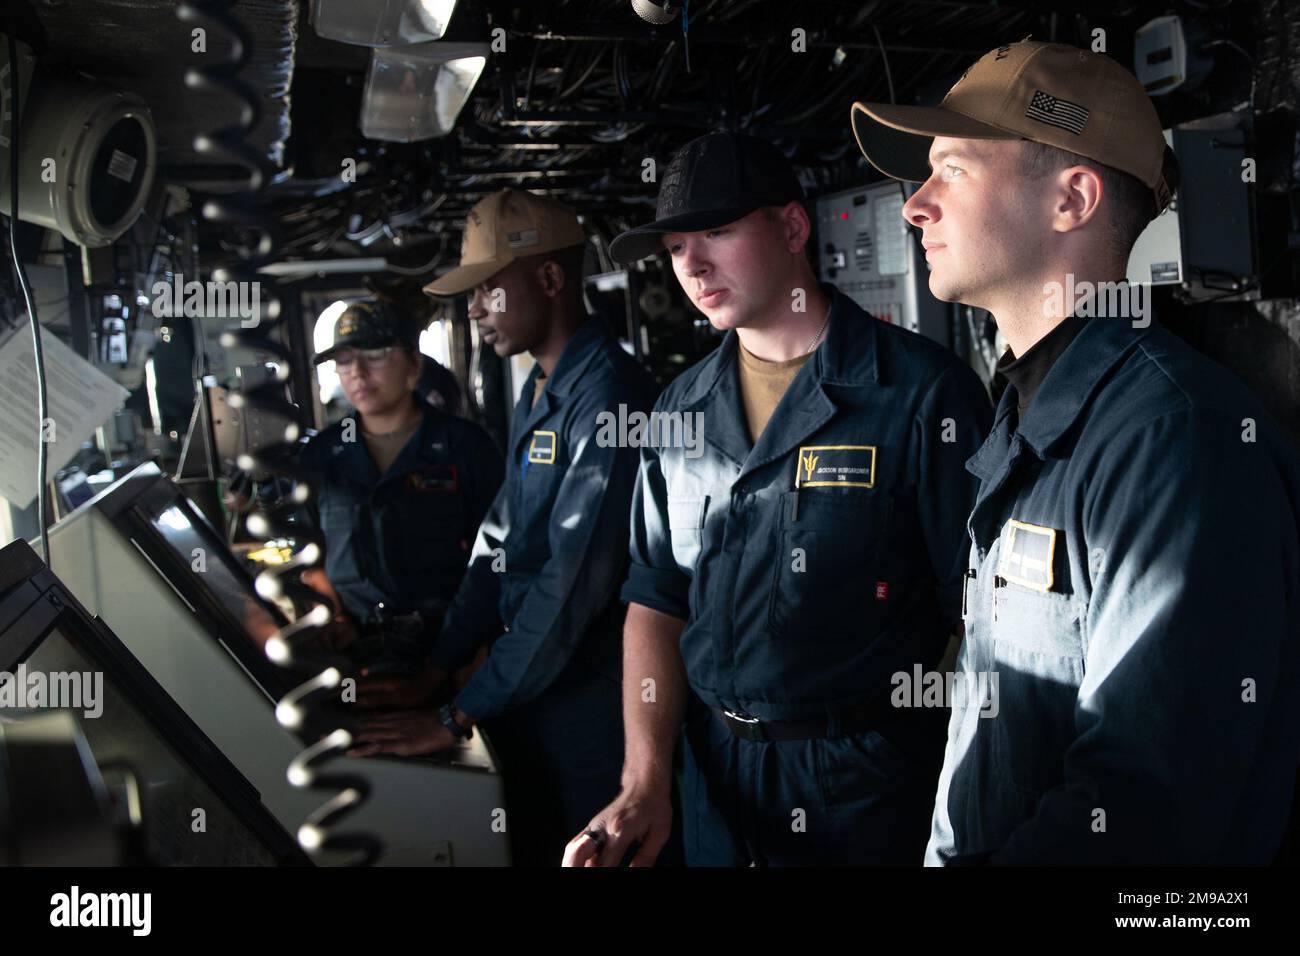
1057, 112
524, 237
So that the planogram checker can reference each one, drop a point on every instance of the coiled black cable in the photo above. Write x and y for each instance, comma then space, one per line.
312, 710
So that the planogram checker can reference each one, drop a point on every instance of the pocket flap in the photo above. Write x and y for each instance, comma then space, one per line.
850, 510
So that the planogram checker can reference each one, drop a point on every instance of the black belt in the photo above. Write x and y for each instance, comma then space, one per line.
846, 721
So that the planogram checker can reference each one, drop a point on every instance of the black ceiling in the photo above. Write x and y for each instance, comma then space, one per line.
582, 94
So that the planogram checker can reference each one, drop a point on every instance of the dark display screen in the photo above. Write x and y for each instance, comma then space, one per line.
186, 822
228, 586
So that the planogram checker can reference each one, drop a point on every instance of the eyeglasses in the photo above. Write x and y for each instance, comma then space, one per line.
347, 358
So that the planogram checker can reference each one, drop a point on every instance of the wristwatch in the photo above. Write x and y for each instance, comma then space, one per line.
447, 717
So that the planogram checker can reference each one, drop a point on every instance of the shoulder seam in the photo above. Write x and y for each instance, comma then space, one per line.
1164, 371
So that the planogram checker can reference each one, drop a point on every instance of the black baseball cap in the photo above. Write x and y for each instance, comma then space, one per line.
368, 325
712, 181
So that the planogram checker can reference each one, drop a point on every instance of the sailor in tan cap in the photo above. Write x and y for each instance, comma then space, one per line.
1136, 535
1026, 113
552, 551
506, 226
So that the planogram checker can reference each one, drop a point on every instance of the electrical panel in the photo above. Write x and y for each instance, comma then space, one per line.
866, 249
1204, 242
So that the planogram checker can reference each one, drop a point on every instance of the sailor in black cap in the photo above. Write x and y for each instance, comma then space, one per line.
784, 570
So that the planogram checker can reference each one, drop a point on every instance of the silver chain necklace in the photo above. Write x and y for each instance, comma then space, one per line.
818, 336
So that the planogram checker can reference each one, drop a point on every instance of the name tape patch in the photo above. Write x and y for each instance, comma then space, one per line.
541, 450
836, 466
1028, 554
434, 478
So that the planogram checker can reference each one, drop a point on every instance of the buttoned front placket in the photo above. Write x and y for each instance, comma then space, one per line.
996, 464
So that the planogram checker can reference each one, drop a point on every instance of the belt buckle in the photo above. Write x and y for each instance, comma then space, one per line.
753, 724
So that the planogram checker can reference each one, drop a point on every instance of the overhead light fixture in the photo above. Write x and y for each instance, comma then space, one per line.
381, 23
416, 92
656, 13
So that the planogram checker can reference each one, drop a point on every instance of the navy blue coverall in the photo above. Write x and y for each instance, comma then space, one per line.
1134, 585
403, 537
809, 568
547, 564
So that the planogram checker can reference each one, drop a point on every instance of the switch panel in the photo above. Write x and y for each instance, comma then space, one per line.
867, 251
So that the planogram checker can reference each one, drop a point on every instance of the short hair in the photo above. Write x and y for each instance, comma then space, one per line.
773, 215
1129, 203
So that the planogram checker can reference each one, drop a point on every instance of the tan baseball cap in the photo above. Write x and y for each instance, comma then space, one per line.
1050, 93
503, 227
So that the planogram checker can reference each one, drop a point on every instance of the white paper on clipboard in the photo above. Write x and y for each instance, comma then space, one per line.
81, 398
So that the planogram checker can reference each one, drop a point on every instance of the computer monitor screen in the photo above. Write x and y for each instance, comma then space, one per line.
228, 585
186, 820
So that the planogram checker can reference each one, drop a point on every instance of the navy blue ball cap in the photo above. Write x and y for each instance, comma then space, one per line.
368, 325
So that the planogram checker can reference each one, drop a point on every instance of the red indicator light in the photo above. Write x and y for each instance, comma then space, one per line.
844, 215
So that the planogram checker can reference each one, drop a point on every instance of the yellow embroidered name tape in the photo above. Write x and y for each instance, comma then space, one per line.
1028, 553
836, 466
541, 451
